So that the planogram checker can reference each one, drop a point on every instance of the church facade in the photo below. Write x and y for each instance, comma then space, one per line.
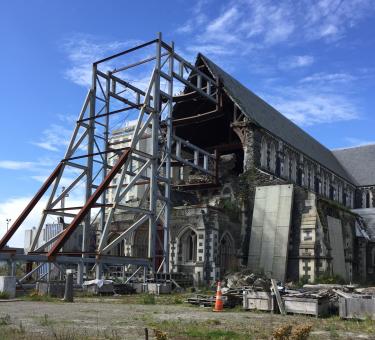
330, 220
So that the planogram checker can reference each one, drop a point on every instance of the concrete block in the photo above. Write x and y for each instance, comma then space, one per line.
253, 300
336, 241
299, 305
159, 288
8, 285
54, 289
357, 307
270, 230
139, 287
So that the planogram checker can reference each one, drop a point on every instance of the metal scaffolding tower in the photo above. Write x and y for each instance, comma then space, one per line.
88, 162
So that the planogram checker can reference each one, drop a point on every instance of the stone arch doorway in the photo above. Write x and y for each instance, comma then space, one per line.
140, 242
227, 258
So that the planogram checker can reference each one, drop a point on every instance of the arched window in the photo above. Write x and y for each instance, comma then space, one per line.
368, 199
306, 179
331, 192
227, 259
188, 244
286, 172
339, 192
300, 175
363, 199
264, 153
272, 163
350, 198
140, 242
293, 170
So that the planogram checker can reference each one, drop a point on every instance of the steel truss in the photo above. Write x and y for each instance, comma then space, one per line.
88, 158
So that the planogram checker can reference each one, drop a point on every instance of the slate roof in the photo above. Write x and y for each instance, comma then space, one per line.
272, 120
359, 162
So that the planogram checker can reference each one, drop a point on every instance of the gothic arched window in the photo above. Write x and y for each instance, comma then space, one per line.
286, 172
293, 170
272, 163
263, 153
189, 246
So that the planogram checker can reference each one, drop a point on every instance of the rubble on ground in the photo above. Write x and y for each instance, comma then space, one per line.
246, 278
253, 291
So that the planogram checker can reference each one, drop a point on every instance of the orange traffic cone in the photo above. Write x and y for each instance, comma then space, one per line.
219, 306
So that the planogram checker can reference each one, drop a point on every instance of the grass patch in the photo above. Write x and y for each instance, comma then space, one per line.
4, 295
212, 334
34, 296
335, 324
208, 329
149, 299
144, 298
45, 320
5, 320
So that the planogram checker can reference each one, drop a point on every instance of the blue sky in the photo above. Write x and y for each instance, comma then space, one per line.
314, 60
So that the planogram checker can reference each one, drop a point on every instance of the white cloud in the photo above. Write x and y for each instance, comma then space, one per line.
186, 28
210, 50
15, 165
297, 61
83, 50
309, 106
340, 77
12, 209
243, 26
251, 32
224, 21
353, 142
54, 138
331, 19
57, 135
197, 17
41, 164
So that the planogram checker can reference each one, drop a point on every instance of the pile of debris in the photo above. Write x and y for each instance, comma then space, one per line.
233, 289
257, 292
246, 278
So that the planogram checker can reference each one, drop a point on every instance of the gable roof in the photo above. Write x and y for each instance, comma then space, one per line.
272, 120
359, 162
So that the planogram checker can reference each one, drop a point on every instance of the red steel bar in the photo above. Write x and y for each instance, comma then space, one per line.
89, 204
30, 206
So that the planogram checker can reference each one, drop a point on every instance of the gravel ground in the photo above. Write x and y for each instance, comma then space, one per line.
117, 319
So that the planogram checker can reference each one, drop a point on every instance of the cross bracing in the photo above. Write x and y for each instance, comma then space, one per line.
104, 172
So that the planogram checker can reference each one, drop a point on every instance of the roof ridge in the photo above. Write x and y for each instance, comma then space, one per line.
256, 108
353, 147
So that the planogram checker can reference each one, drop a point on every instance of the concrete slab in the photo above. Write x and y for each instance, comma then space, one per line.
8, 286
270, 230
337, 247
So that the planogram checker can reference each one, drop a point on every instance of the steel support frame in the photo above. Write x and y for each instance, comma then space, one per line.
155, 106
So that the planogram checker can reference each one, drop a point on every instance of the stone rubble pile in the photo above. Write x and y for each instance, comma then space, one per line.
246, 278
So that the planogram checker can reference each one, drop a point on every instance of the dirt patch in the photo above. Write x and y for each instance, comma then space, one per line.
117, 319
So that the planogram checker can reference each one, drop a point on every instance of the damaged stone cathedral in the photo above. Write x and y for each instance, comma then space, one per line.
282, 203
